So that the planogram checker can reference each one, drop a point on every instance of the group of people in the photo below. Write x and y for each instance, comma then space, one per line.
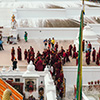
48, 57
87, 48
50, 42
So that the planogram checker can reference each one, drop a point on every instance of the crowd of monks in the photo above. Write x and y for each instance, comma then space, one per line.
50, 56
56, 58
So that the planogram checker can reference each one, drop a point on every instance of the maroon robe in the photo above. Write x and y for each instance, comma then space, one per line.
83, 44
93, 55
32, 56
12, 54
56, 47
67, 57
64, 58
90, 46
76, 54
25, 54
87, 58
28, 59
99, 52
70, 50
19, 54
74, 50
62, 50
97, 62
39, 65
28, 54
61, 76
59, 64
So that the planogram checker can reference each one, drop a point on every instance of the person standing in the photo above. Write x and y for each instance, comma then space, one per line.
25, 36
97, 61
12, 53
86, 46
49, 43
74, 50
45, 43
70, 50
19, 53
53, 42
89, 45
87, 58
14, 64
56, 46
83, 44
25, 54
93, 55
1, 46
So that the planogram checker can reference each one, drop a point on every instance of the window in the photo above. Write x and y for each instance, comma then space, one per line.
17, 79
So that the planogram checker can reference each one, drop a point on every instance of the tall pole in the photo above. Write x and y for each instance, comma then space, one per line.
79, 74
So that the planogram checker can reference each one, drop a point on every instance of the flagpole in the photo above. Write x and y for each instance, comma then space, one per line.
80, 77
79, 74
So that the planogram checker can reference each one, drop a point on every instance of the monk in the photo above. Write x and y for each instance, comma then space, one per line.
97, 62
70, 50
28, 54
25, 54
62, 50
12, 54
74, 50
83, 44
39, 65
64, 57
32, 54
90, 46
38, 54
48, 51
93, 55
87, 58
19, 53
99, 52
56, 46
67, 56
31, 48
59, 64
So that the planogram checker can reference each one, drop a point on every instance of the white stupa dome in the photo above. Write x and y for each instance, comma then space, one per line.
30, 66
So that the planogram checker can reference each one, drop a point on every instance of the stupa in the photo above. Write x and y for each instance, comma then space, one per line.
89, 35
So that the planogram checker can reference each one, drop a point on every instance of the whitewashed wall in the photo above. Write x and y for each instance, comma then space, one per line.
90, 73
95, 28
5, 16
35, 0
55, 13
42, 33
